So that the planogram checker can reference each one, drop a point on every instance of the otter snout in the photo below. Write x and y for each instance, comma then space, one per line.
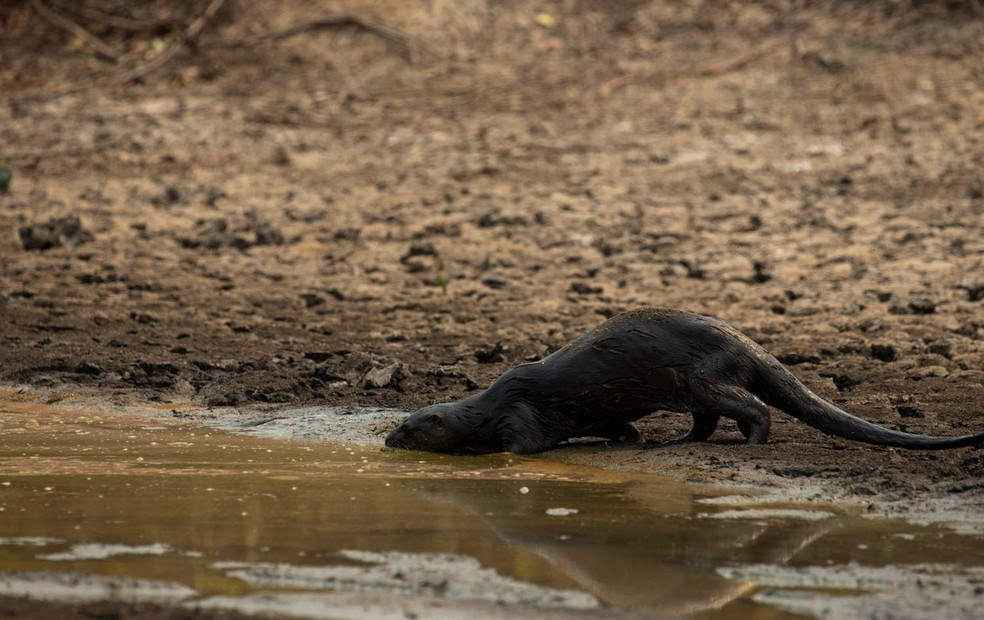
397, 439
425, 430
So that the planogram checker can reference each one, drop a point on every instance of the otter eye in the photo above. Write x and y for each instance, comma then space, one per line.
435, 419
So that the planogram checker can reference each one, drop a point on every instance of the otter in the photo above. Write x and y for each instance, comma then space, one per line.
630, 366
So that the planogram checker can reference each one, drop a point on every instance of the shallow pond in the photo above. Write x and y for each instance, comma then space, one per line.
213, 518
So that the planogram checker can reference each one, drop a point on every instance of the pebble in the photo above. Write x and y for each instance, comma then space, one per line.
388, 376
561, 512
494, 280
883, 352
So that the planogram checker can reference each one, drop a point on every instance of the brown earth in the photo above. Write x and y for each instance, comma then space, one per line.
23, 609
470, 185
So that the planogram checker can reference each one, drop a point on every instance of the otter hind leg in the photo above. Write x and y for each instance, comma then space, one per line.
621, 432
745, 408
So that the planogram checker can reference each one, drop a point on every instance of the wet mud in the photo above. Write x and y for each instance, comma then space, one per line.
320, 219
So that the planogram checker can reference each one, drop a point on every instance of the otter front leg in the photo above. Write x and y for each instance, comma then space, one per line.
622, 432
704, 426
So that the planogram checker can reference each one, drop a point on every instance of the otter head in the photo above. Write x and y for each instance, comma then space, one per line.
466, 428
437, 428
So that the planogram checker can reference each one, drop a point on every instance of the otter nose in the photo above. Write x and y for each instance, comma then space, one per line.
395, 440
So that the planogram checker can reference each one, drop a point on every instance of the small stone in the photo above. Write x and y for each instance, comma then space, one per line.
846, 382
941, 348
347, 234
87, 368
545, 20
494, 280
908, 411
388, 376
922, 306
54, 233
524, 490
975, 292
419, 249
142, 318
312, 299
585, 289
489, 355
281, 157
561, 512
171, 195
803, 309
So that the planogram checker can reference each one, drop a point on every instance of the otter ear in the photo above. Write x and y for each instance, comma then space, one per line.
435, 419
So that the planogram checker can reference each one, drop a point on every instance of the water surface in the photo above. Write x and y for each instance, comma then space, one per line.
113, 494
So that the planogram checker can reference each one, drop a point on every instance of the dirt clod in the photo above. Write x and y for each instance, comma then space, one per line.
883, 352
387, 376
56, 232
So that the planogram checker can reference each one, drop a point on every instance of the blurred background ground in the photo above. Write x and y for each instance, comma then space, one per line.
390, 203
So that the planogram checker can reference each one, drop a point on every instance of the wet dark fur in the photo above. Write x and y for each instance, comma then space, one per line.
628, 367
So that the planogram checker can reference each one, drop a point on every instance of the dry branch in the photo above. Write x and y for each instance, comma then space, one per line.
59, 21
406, 44
742, 61
190, 34
400, 39
111, 20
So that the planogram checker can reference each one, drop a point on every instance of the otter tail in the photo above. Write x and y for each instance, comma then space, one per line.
780, 389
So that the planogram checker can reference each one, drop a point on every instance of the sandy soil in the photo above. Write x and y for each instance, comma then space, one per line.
340, 217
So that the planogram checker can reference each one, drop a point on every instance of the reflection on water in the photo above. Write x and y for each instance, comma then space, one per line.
112, 494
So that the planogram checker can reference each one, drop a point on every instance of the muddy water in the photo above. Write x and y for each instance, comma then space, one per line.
219, 517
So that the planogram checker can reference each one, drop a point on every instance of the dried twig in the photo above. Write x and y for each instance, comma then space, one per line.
60, 21
189, 35
400, 39
617, 83
109, 19
404, 42
742, 61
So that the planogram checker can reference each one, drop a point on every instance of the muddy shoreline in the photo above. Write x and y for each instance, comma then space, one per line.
740, 492
956, 503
